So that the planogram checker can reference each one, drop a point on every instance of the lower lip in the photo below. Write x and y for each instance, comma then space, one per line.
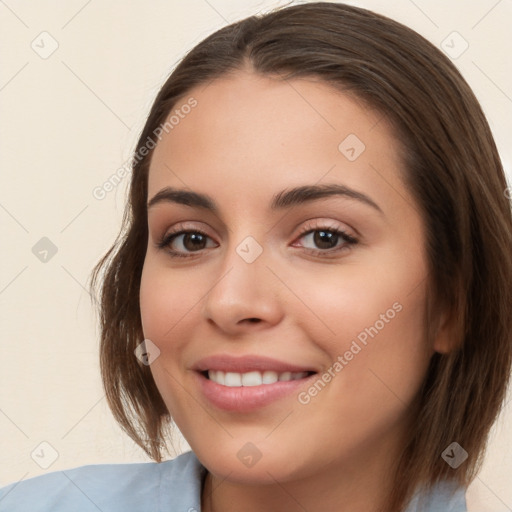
248, 398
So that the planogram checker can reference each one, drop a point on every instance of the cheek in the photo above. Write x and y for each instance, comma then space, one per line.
373, 318
343, 302
166, 298
167, 304
154, 301
161, 304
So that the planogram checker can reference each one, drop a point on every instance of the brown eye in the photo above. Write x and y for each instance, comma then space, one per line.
183, 242
327, 240
192, 241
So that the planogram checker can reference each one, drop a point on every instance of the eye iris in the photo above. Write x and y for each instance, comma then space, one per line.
323, 237
197, 240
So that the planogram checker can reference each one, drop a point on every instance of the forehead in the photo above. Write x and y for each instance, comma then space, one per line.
249, 135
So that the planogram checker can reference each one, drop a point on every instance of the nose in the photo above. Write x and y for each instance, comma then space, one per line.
244, 296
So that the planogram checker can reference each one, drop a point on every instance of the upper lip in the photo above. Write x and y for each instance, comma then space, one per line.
247, 363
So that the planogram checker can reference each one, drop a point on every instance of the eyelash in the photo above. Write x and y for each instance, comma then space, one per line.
348, 240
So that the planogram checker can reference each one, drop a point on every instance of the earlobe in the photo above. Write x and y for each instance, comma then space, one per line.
444, 339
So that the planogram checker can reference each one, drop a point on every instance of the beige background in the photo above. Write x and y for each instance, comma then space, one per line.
69, 120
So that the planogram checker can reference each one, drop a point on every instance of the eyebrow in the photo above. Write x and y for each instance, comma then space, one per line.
282, 200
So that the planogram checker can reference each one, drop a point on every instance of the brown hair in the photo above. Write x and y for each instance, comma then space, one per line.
452, 170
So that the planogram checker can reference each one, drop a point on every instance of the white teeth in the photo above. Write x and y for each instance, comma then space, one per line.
251, 379
231, 379
220, 377
256, 378
270, 377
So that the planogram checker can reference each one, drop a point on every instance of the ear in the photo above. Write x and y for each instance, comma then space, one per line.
444, 339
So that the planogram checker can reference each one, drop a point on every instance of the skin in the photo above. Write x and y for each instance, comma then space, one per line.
248, 138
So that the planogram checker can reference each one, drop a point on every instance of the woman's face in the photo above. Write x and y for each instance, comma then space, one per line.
271, 286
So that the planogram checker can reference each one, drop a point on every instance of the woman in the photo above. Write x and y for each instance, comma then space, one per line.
311, 280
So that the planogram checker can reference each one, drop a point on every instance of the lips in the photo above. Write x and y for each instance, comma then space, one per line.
245, 399
249, 363
248, 383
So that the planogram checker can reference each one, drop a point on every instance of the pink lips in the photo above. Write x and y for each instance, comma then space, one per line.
246, 399
248, 363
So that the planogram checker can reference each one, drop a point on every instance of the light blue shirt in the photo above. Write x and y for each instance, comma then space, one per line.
171, 486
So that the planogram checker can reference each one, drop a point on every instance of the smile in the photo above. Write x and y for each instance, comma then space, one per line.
255, 378
250, 391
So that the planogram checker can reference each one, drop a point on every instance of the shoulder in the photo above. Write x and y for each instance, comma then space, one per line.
445, 496
142, 487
